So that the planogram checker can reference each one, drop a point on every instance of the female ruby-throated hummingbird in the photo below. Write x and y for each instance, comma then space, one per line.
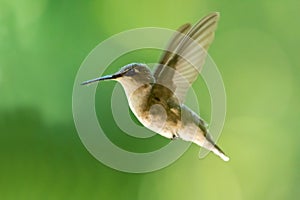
157, 98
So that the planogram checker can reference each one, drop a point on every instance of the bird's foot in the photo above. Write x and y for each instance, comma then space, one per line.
175, 137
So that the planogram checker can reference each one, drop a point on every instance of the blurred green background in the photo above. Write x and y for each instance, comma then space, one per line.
43, 43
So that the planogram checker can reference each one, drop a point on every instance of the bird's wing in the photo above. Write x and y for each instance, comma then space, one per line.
185, 55
173, 44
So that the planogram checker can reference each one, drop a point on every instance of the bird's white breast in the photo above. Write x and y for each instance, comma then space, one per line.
155, 117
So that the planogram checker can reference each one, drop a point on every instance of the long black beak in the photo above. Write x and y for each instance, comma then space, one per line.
107, 77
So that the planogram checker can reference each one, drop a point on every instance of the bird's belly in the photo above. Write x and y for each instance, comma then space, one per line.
153, 117
161, 127
157, 120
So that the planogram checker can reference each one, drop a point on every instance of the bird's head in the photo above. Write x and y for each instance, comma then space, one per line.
131, 75
135, 73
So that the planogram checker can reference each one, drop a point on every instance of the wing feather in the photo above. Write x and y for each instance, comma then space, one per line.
174, 42
184, 57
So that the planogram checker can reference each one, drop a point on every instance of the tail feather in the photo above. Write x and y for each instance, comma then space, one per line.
220, 153
210, 145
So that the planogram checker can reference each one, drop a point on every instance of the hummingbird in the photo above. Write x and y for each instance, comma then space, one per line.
157, 99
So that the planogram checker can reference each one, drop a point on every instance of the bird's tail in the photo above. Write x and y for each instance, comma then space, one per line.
211, 146
216, 150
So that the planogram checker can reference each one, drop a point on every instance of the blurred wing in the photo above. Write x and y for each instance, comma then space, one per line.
183, 59
173, 44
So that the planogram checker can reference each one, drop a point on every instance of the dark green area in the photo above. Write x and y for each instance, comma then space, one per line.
42, 45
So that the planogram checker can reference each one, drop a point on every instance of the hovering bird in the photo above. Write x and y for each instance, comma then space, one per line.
156, 99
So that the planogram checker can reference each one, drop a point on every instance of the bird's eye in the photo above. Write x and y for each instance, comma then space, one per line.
130, 72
